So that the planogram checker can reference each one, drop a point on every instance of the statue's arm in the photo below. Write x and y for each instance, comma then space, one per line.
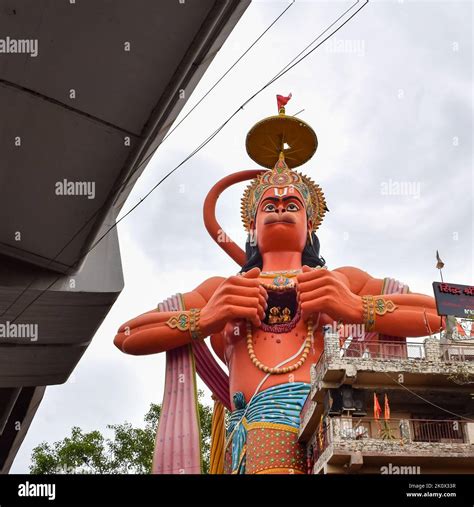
219, 299
415, 314
339, 293
149, 334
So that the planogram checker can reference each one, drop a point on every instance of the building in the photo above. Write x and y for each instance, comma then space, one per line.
338, 424
106, 83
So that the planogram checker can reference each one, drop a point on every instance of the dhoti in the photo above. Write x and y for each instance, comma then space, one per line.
265, 440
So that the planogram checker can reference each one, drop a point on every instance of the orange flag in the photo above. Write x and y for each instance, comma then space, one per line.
386, 408
321, 433
282, 101
377, 409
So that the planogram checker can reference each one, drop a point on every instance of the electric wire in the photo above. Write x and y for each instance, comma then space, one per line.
281, 73
124, 183
428, 401
226, 72
285, 69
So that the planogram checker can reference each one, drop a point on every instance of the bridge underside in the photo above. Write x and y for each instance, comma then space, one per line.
91, 106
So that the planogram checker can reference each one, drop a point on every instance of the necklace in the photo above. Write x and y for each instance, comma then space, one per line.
279, 285
278, 371
281, 280
290, 273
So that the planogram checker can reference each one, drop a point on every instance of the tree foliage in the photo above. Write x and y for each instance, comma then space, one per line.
128, 451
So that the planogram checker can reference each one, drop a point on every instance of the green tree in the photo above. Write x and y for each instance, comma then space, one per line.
129, 451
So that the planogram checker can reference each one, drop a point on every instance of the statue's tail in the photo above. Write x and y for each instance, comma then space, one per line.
209, 211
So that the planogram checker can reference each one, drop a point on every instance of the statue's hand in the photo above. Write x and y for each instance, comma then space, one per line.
238, 297
320, 290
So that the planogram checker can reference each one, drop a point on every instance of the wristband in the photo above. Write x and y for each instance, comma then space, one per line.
187, 321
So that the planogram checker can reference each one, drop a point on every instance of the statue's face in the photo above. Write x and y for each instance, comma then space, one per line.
281, 223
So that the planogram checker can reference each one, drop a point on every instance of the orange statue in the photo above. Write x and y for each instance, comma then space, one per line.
266, 323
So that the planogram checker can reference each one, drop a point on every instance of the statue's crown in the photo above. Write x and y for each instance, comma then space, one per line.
277, 142
282, 176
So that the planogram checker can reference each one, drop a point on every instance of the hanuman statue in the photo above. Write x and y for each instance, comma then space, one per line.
266, 323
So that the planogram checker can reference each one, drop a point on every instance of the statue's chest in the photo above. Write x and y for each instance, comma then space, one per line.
282, 328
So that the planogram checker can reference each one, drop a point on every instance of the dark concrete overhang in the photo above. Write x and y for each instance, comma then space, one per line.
83, 110
124, 103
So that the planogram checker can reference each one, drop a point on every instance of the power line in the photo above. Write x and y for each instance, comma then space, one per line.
124, 183
288, 67
214, 85
428, 401
53, 259
285, 69
319, 36
227, 71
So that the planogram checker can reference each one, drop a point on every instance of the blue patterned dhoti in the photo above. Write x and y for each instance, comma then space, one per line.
274, 414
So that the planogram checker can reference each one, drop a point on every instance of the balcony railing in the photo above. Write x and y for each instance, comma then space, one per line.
459, 353
450, 360
384, 350
432, 430
403, 431
407, 350
357, 429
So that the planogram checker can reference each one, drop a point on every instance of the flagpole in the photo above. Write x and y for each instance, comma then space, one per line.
440, 266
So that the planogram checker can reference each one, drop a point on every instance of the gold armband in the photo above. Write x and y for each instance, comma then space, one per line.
382, 306
368, 305
194, 329
373, 306
187, 321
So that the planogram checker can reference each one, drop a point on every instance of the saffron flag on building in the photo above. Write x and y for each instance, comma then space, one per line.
282, 101
377, 409
386, 408
321, 434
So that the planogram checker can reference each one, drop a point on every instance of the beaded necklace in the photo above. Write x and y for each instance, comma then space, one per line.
309, 334
281, 280
287, 369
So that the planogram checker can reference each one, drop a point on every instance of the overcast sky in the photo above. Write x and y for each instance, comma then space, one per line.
390, 98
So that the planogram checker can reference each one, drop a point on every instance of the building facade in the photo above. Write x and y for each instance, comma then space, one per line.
391, 407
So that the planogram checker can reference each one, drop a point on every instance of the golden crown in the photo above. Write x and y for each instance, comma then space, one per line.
271, 143
282, 176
